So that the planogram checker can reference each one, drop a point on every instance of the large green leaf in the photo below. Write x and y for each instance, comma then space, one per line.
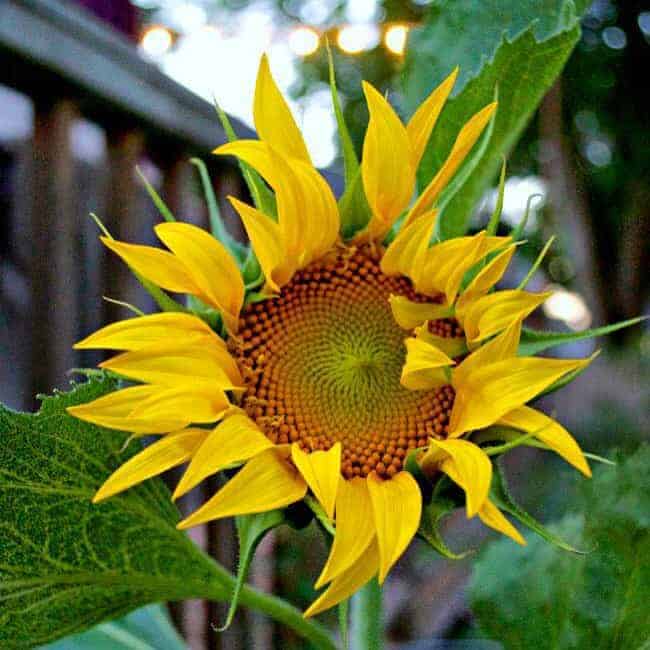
519, 46
148, 628
66, 564
542, 597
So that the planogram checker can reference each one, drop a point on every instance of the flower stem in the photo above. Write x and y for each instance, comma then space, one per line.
367, 625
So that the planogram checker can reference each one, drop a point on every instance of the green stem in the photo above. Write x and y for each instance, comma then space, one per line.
367, 623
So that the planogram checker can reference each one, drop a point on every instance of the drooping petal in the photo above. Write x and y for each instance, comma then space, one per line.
137, 333
409, 314
267, 243
386, 169
344, 585
355, 529
498, 388
468, 466
455, 271
171, 450
468, 135
158, 266
273, 119
424, 368
322, 471
491, 516
210, 265
235, 439
425, 117
550, 432
267, 481
451, 346
169, 364
114, 412
396, 506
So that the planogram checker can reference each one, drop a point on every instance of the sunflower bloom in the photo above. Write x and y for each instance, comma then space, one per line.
354, 356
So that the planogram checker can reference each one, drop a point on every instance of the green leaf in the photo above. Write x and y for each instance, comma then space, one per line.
500, 495
520, 45
250, 530
493, 223
67, 564
536, 263
533, 342
541, 597
429, 530
517, 232
354, 210
148, 628
165, 212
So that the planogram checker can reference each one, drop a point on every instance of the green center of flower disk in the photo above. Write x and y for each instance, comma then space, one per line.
322, 363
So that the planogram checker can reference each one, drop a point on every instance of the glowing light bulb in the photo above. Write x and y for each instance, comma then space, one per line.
156, 41
303, 41
395, 39
357, 38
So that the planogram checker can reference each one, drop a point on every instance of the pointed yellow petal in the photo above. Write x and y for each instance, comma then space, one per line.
491, 391
491, 516
211, 267
493, 313
114, 410
266, 482
386, 169
452, 347
273, 120
424, 368
355, 529
158, 266
456, 270
550, 432
321, 470
488, 276
396, 506
199, 404
424, 119
468, 135
235, 439
467, 465
137, 333
406, 253
171, 450
266, 240
177, 364
408, 314
347, 583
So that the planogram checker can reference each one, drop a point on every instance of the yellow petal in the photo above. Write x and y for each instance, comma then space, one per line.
487, 277
347, 583
266, 239
177, 364
210, 265
467, 465
137, 333
386, 169
235, 439
199, 404
424, 368
451, 346
408, 314
273, 120
491, 516
550, 432
406, 253
396, 506
491, 314
491, 391
114, 410
171, 450
468, 135
424, 119
455, 271
158, 266
355, 529
321, 470
267, 481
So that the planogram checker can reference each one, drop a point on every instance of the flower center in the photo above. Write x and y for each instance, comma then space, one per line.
322, 363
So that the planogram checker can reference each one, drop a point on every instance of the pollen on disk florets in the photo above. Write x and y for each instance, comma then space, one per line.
322, 363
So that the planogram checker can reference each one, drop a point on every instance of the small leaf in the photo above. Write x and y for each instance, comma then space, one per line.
165, 212
493, 223
536, 264
429, 529
500, 495
354, 210
251, 529
533, 342
517, 232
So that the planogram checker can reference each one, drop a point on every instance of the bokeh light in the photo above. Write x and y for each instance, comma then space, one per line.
303, 41
156, 41
395, 39
569, 307
354, 39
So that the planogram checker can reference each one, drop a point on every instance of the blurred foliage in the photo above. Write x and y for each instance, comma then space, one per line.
542, 597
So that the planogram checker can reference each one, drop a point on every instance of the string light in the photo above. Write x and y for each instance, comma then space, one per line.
395, 39
303, 40
156, 40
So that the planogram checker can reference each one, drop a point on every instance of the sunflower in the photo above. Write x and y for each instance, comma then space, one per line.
353, 358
